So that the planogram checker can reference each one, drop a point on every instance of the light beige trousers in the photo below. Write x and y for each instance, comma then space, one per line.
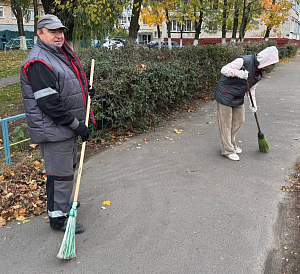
230, 120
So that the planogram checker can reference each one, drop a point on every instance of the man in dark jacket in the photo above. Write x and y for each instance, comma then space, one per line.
54, 90
230, 93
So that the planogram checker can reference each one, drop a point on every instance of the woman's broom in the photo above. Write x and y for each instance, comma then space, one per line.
262, 142
68, 248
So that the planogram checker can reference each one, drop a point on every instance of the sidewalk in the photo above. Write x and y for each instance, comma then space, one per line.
178, 206
9, 80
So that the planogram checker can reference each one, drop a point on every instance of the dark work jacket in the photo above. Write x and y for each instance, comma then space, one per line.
71, 84
230, 91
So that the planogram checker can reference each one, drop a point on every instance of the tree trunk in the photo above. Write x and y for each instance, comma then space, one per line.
134, 23
235, 21
224, 21
181, 32
169, 25
48, 5
243, 24
159, 38
267, 34
35, 6
17, 11
198, 25
268, 30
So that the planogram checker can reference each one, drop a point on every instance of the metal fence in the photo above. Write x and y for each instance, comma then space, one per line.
6, 144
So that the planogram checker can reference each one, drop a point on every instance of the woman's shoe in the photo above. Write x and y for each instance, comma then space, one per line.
233, 157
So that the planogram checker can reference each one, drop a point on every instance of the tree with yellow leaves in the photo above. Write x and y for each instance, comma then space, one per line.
275, 13
154, 15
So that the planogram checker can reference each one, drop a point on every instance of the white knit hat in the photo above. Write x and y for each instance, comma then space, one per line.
267, 57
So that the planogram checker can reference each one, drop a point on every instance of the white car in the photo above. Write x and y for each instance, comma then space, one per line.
112, 44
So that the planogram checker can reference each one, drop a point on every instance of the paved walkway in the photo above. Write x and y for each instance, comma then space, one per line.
178, 205
9, 80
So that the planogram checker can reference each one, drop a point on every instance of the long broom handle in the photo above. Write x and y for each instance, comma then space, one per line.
83, 144
255, 115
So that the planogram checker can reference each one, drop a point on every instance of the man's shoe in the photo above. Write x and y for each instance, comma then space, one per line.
78, 229
233, 157
238, 150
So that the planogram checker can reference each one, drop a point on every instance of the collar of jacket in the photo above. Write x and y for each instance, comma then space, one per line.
54, 49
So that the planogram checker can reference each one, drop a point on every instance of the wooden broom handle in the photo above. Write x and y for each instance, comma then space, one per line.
249, 91
83, 144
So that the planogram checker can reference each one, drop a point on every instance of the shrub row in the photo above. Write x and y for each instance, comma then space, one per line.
139, 86
288, 50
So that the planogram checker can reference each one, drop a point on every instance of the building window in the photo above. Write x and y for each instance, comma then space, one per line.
188, 26
128, 19
31, 12
156, 34
12, 15
29, 15
1, 12
174, 25
122, 20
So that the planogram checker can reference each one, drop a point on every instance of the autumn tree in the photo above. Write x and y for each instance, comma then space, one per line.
275, 13
154, 15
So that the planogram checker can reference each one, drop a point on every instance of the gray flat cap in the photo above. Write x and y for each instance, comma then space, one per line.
49, 21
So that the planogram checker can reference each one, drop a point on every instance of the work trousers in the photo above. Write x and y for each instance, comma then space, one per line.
230, 120
60, 163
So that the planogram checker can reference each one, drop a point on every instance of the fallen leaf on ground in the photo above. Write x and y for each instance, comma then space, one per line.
178, 131
33, 145
106, 203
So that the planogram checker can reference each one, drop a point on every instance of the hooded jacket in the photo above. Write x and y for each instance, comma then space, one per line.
230, 91
71, 85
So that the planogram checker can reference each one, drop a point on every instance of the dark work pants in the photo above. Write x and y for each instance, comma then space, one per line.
60, 162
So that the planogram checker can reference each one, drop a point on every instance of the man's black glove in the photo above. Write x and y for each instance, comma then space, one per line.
91, 92
83, 131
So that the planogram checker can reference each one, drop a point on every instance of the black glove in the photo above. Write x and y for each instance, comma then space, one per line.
91, 92
83, 131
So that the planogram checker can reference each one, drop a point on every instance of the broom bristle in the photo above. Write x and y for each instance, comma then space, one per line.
263, 145
68, 247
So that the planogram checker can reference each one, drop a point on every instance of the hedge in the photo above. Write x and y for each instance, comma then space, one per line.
138, 87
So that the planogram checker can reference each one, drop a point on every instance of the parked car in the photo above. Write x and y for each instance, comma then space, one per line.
112, 44
122, 40
166, 45
152, 44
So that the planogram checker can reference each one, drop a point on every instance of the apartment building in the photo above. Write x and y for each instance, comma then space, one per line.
290, 30
8, 21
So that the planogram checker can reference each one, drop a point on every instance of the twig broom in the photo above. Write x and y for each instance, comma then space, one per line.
262, 142
68, 247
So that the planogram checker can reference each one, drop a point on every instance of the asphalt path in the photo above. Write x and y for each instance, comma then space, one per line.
9, 80
177, 205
